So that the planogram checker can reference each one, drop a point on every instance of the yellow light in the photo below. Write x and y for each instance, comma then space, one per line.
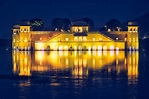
112, 47
60, 48
66, 48
99, 47
39, 46
105, 48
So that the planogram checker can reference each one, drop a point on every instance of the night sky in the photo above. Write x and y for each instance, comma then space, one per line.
100, 11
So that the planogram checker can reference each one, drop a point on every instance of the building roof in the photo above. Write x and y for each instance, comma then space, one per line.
16, 27
113, 35
132, 24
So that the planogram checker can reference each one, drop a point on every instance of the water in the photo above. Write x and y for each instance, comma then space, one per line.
74, 75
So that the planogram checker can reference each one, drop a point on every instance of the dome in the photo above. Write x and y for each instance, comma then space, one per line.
16, 27
79, 23
132, 24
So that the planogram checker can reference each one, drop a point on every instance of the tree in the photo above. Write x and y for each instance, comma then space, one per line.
37, 24
89, 22
60, 23
113, 24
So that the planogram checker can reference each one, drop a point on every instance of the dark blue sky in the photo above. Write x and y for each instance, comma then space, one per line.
100, 11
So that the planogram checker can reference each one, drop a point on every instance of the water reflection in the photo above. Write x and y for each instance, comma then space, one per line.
64, 72
77, 63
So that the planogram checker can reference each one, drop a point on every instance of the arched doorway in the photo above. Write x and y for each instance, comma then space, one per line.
94, 48
48, 48
60, 48
80, 48
66, 48
105, 48
84, 48
99, 48
111, 48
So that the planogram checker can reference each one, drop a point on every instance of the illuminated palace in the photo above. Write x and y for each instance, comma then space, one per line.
78, 38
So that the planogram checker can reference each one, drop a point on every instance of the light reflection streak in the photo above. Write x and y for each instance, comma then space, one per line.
78, 63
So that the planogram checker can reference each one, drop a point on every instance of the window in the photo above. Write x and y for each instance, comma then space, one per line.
133, 39
21, 30
100, 39
60, 48
14, 40
80, 38
59, 39
76, 39
111, 47
129, 39
93, 39
125, 39
66, 39
25, 30
65, 47
84, 38
99, 47
104, 47
94, 48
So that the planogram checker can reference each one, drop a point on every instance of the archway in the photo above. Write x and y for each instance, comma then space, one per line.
48, 48
94, 48
99, 48
105, 48
80, 48
60, 48
66, 48
84, 48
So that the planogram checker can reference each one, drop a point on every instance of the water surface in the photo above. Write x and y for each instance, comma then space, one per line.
74, 75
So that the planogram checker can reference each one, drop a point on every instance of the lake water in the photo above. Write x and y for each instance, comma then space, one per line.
74, 75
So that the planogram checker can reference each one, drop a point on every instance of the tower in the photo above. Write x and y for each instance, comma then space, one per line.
21, 36
132, 27
24, 37
15, 37
132, 36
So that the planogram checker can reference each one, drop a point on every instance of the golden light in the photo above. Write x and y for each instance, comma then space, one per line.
100, 47
39, 46
60, 48
104, 47
66, 48
112, 47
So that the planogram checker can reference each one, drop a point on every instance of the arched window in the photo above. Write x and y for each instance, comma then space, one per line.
75, 38
80, 38
105, 48
111, 47
84, 38
134, 29
94, 48
60, 48
80, 48
66, 48
99, 47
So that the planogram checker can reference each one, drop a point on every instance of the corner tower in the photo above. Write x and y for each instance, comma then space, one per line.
15, 37
21, 36
132, 36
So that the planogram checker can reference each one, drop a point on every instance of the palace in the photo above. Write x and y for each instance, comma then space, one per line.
79, 38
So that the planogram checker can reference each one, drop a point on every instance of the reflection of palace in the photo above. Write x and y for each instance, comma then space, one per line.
78, 38
77, 62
